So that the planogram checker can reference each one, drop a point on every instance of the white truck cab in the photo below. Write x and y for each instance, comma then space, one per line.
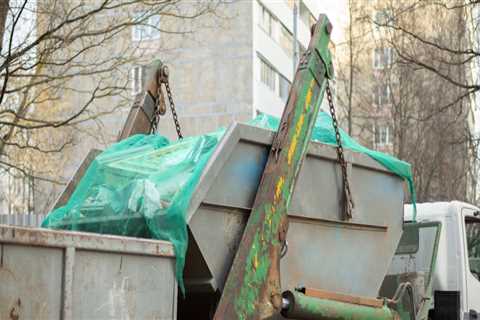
444, 256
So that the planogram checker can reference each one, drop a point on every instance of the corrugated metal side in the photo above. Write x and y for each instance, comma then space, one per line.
24, 220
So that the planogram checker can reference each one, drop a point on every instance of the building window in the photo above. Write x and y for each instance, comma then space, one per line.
276, 30
279, 84
383, 17
382, 95
286, 40
284, 87
380, 20
383, 135
147, 29
266, 21
383, 57
306, 15
138, 75
268, 75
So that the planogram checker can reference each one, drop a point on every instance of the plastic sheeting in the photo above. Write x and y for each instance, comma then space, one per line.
142, 186
139, 187
324, 132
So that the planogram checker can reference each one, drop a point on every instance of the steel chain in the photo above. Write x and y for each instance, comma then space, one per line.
156, 114
340, 156
174, 112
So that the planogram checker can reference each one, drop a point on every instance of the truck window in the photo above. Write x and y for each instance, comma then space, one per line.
409, 242
472, 228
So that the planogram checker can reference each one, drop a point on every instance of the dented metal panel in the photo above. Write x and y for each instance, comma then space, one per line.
317, 231
48, 274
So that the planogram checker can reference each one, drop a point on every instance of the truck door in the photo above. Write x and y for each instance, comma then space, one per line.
414, 262
472, 260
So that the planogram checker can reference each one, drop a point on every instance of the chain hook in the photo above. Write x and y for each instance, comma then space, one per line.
160, 108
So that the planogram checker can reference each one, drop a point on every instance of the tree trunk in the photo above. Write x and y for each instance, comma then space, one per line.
4, 5
350, 80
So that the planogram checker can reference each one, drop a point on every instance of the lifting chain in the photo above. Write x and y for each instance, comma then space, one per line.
157, 112
347, 195
174, 112
160, 100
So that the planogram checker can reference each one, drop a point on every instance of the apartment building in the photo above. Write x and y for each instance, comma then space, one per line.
240, 69
226, 68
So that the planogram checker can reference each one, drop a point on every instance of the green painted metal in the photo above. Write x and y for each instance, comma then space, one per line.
252, 289
302, 307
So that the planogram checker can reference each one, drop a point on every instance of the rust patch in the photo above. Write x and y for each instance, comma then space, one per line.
15, 310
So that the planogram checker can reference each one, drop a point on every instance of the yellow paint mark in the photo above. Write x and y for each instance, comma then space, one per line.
292, 148
268, 218
308, 99
269, 215
278, 190
293, 145
301, 120
255, 262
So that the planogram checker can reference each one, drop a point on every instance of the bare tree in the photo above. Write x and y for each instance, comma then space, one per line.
351, 69
3, 16
57, 49
432, 106
416, 86
448, 57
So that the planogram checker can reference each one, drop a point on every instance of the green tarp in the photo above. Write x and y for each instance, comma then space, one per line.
142, 186
323, 132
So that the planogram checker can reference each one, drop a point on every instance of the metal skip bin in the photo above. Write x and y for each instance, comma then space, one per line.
48, 274
324, 250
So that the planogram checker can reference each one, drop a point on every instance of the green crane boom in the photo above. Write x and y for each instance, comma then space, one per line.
252, 289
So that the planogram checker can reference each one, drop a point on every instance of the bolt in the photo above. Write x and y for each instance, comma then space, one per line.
328, 28
165, 71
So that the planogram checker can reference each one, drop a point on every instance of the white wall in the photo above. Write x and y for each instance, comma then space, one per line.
265, 100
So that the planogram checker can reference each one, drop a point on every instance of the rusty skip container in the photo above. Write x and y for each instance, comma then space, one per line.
324, 250
48, 274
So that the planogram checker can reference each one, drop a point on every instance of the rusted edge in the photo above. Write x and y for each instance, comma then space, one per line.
328, 295
85, 241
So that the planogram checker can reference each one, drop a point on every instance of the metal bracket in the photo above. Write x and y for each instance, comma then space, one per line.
321, 49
